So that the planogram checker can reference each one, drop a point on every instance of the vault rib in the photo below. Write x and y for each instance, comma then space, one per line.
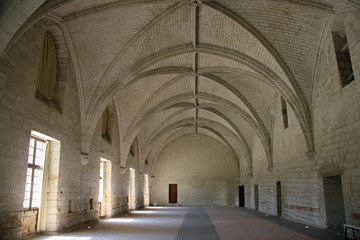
196, 63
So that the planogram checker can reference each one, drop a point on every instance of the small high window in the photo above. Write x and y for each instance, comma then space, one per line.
284, 113
105, 125
47, 71
133, 148
343, 58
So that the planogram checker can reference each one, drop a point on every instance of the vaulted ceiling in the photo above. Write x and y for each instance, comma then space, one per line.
178, 67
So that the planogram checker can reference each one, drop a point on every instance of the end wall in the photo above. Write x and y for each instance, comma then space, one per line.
203, 169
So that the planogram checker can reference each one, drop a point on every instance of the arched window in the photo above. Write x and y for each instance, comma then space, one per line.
284, 113
343, 57
46, 80
105, 125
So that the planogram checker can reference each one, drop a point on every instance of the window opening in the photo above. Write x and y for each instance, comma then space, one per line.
91, 203
132, 189
284, 113
132, 149
343, 58
34, 176
46, 80
70, 206
146, 190
42, 160
104, 200
105, 125
101, 181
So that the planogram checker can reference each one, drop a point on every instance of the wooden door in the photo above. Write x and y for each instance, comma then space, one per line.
172, 193
241, 196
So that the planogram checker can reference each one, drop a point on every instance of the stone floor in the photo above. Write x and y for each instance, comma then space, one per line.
200, 223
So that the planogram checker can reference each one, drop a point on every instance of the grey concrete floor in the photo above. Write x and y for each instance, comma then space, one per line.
201, 223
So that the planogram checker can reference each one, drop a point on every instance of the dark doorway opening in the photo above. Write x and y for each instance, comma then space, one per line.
334, 202
278, 198
256, 196
172, 193
241, 196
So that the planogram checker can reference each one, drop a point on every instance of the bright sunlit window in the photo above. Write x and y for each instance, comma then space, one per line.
101, 181
34, 176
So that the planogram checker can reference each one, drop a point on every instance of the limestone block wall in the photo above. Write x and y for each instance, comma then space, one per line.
21, 112
140, 169
335, 114
133, 162
296, 173
115, 188
29, 222
73, 188
205, 176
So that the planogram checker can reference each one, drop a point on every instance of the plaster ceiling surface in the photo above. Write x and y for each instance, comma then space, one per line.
177, 67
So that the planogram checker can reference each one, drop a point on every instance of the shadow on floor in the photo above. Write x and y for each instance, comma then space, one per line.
314, 232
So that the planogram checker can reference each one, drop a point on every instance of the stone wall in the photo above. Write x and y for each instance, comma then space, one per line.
336, 115
204, 176
205, 171
29, 222
21, 112
336, 125
71, 186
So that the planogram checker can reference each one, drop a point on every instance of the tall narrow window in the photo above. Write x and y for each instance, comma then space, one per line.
43, 160
105, 125
284, 113
132, 194
46, 80
104, 203
34, 176
133, 148
101, 181
343, 58
146, 190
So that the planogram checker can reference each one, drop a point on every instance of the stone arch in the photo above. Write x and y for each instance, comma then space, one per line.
63, 61
275, 81
264, 136
239, 136
211, 77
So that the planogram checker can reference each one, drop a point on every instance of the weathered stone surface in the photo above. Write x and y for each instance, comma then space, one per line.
207, 76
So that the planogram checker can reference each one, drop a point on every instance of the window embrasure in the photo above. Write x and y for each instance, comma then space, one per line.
34, 175
343, 58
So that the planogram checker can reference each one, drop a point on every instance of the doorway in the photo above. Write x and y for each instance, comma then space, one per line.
146, 190
256, 196
132, 189
104, 188
278, 198
172, 193
334, 202
42, 161
241, 196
